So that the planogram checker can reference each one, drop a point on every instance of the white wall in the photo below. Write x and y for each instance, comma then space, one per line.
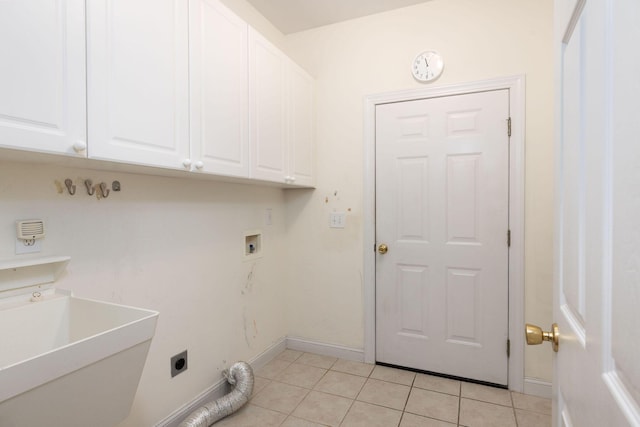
172, 245
479, 40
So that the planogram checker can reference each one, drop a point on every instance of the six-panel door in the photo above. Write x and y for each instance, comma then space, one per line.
442, 208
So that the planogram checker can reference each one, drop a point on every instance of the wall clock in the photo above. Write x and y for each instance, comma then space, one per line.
427, 66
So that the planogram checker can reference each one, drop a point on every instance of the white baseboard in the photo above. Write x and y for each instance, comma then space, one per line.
536, 387
324, 349
221, 387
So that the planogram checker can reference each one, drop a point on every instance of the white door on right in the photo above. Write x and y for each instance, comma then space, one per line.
597, 274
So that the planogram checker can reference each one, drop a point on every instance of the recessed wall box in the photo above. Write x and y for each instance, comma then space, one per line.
252, 244
30, 229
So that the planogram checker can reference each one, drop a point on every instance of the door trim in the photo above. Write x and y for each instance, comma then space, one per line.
516, 87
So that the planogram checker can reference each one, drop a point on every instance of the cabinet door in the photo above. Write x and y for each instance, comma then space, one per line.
138, 87
42, 76
219, 80
266, 109
300, 125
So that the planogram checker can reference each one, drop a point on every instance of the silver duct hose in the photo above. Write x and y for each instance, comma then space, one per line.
240, 376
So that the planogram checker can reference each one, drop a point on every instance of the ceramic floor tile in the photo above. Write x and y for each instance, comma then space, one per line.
531, 403
301, 375
384, 393
354, 368
365, 415
532, 419
317, 360
482, 414
273, 368
341, 384
485, 393
433, 383
412, 420
323, 408
398, 376
252, 416
290, 355
258, 384
280, 397
292, 421
432, 404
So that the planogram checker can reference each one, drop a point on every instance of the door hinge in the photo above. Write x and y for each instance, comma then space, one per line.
509, 238
508, 348
509, 127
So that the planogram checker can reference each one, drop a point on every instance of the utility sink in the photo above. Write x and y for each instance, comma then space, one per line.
66, 361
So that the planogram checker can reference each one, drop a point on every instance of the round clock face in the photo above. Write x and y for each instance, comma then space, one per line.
427, 66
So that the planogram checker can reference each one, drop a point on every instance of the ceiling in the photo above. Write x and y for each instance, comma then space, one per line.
291, 16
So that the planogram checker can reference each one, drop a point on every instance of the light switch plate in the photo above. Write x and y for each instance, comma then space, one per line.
337, 219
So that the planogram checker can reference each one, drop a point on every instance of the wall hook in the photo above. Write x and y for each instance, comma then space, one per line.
104, 190
70, 186
89, 184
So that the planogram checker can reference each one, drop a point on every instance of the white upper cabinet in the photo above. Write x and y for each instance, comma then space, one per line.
267, 109
219, 97
42, 76
280, 116
138, 82
177, 84
300, 121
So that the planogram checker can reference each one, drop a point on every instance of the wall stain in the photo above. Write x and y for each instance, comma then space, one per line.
59, 187
249, 283
244, 326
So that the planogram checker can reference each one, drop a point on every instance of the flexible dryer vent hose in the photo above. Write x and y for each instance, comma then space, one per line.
240, 376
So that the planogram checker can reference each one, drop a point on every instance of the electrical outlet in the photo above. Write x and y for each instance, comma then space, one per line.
179, 363
28, 246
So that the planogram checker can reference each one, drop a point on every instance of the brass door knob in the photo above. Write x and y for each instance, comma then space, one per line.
382, 249
535, 335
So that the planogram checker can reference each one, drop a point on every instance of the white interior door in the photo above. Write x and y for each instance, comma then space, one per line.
442, 208
597, 275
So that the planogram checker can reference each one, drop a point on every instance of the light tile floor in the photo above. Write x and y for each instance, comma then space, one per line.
299, 389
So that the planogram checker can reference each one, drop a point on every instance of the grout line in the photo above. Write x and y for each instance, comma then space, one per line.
513, 408
459, 403
347, 413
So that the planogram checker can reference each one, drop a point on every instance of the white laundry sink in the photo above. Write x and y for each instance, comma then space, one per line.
66, 361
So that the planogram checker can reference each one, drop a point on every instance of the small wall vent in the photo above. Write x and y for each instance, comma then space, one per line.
30, 229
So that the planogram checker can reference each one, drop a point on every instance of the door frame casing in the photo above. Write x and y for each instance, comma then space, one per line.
516, 87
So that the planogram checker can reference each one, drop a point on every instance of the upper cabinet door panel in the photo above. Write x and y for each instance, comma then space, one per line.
301, 129
267, 108
42, 77
138, 87
219, 80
